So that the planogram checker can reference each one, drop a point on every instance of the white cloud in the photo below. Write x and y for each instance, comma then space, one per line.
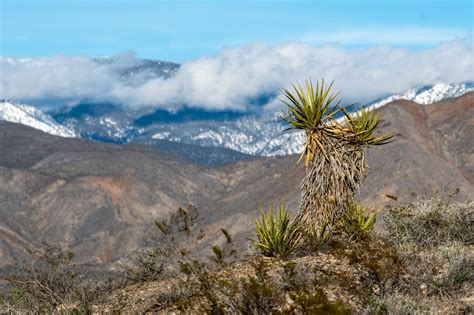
237, 75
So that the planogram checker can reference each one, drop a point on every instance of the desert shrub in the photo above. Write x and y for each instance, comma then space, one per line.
357, 222
432, 236
223, 255
49, 282
430, 221
147, 264
398, 303
458, 269
199, 276
176, 236
315, 302
278, 235
440, 270
379, 258
257, 292
180, 222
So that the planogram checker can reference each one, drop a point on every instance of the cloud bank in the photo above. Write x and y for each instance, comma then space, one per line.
236, 77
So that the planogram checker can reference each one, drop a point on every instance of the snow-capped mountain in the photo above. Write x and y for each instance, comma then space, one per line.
427, 94
246, 133
254, 135
263, 135
101, 122
32, 117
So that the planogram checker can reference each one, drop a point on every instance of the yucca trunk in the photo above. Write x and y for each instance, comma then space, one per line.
331, 181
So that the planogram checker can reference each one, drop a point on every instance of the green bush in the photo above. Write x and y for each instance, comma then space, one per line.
279, 235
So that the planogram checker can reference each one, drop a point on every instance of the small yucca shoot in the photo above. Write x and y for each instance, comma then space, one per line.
357, 221
278, 235
319, 233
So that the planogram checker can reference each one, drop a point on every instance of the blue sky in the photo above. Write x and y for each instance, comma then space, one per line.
185, 30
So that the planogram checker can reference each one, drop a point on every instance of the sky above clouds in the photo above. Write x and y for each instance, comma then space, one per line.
183, 30
231, 51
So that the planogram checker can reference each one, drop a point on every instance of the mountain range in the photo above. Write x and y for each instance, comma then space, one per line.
101, 199
236, 134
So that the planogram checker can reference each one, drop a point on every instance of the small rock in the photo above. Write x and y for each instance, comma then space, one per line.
424, 289
376, 289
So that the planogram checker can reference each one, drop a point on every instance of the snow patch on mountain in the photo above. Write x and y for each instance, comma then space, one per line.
265, 136
253, 134
32, 117
427, 95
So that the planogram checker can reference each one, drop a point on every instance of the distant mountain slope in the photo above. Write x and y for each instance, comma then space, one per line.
32, 117
428, 94
207, 156
101, 199
263, 135
248, 134
433, 150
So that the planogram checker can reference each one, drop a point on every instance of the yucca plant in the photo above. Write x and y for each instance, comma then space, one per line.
356, 221
313, 111
277, 235
334, 151
317, 235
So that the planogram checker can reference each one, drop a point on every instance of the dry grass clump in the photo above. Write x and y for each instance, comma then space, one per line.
433, 237
431, 221
398, 303
144, 264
